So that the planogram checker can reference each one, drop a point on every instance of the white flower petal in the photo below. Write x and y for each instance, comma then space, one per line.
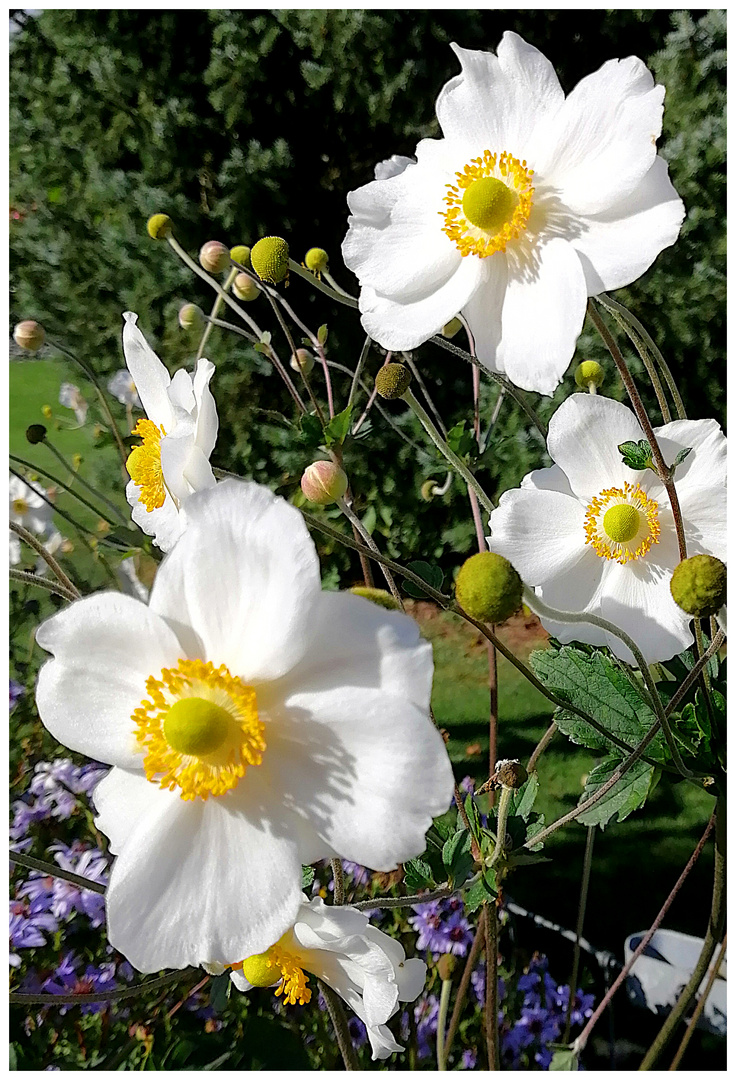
392, 166
244, 575
617, 246
583, 439
122, 799
700, 482
175, 453
541, 533
198, 474
104, 648
543, 314
637, 599
181, 394
207, 421
164, 524
602, 142
149, 375
483, 311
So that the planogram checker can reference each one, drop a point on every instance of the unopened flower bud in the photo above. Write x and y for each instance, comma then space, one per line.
393, 380
302, 360
316, 260
214, 257
47, 411
510, 773
377, 596
191, 317
245, 288
698, 585
159, 226
488, 587
324, 482
445, 966
36, 433
240, 254
29, 335
451, 328
589, 372
427, 490
269, 258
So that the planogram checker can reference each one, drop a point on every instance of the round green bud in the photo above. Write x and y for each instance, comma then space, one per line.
324, 482
589, 372
445, 966
451, 328
270, 259
302, 360
214, 257
377, 596
240, 254
510, 773
488, 587
159, 226
36, 433
316, 260
191, 317
245, 288
393, 380
29, 335
427, 490
698, 585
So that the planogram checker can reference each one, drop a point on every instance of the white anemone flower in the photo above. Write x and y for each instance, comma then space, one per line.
29, 509
531, 202
592, 535
367, 968
178, 436
70, 396
254, 724
122, 387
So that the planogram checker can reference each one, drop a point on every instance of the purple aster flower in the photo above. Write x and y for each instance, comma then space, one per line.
467, 785
67, 980
478, 984
89, 863
24, 815
442, 927
469, 1059
27, 928
16, 693
426, 1014
358, 1032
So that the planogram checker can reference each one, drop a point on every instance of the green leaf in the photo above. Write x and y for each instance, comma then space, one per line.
681, 456
532, 829
522, 800
322, 334
311, 430
459, 440
629, 794
593, 683
481, 891
338, 427
427, 572
259, 347
637, 456
418, 875
219, 991
564, 1060
307, 876
457, 857
265, 338
473, 816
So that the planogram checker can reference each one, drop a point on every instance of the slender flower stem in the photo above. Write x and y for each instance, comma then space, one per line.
38, 547
491, 1009
582, 1039
713, 937
416, 373
340, 1024
409, 901
110, 995
441, 1022
85, 483
52, 870
462, 991
458, 465
55, 480
697, 1012
651, 370
664, 471
358, 524
217, 304
100, 393
339, 879
504, 804
584, 884
541, 747
272, 354
314, 281
28, 578
694, 672
292, 346
359, 369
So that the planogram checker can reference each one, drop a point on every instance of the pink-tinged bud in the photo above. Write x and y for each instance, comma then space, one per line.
302, 360
324, 482
214, 257
245, 288
29, 335
191, 317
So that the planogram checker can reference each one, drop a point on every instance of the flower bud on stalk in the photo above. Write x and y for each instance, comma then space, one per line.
381, 597
29, 335
270, 259
191, 317
316, 260
214, 257
392, 381
159, 226
445, 966
698, 585
510, 773
324, 482
35, 434
245, 288
240, 254
302, 360
589, 372
488, 587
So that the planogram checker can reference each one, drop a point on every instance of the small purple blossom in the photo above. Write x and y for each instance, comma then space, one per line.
442, 927
16, 693
426, 1014
67, 979
358, 1032
469, 1059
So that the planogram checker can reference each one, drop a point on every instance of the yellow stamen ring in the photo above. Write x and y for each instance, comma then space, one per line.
144, 465
200, 729
278, 964
622, 524
494, 206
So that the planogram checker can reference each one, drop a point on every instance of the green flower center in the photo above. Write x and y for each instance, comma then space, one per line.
621, 523
488, 203
20, 507
196, 727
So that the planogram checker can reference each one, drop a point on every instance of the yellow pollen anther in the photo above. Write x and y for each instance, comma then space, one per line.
144, 465
622, 524
199, 729
282, 965
494, 207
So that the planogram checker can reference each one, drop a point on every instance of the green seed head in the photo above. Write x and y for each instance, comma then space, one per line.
324, 482
698, 585
270, 259
488, 203
488, 587
316, 260
214, 257
191, 317
196, 727
589, 372
393, 380
240, 254
29, 335
36, 433
159, 226
377, 596
245, 288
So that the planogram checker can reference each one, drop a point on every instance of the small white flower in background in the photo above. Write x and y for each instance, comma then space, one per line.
28, 509
178, 436
255, 723
367, 968
70, 396
591, 534
122, 387
531, 202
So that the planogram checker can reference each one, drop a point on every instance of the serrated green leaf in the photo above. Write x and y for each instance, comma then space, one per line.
322, 334
522, 801
338, 427
456, 856
459, 440
311, 430
637, 455
564, 1060
681, 456
629, 794
418, 875
481, 891
427, 572
307, 876
473, 816
535, 826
